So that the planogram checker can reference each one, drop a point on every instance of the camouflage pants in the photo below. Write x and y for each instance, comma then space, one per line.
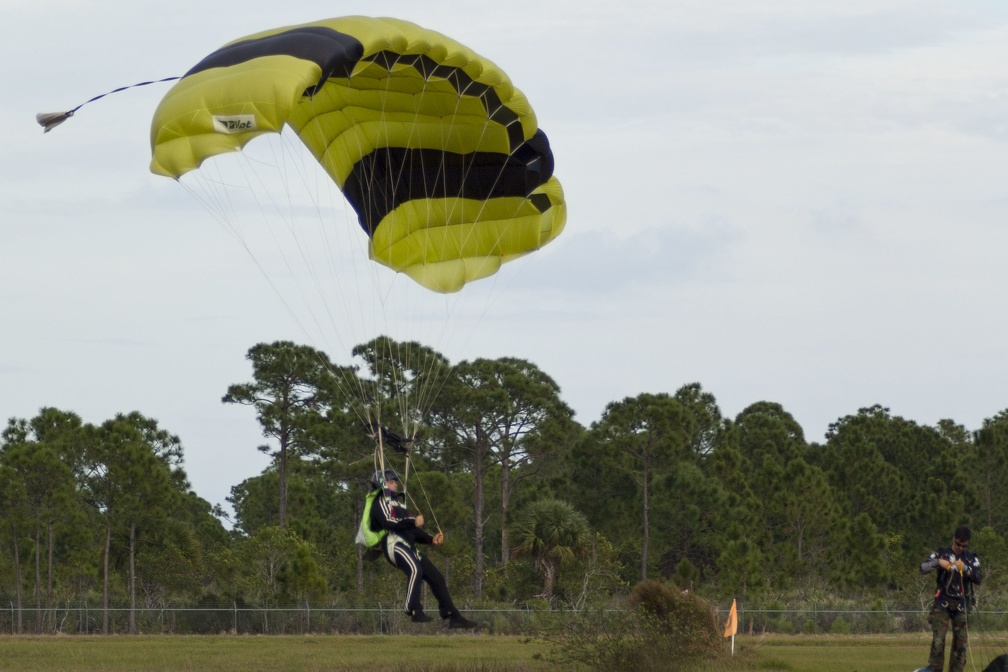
939, 618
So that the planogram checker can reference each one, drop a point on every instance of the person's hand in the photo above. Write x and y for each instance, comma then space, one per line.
944, 564
438, 539
959, 565
419, 520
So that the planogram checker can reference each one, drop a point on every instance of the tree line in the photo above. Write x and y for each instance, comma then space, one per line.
536, 507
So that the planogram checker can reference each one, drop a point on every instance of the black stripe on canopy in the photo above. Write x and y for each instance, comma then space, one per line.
334, 52
390, 176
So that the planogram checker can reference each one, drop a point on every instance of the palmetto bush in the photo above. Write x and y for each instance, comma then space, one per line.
659, 628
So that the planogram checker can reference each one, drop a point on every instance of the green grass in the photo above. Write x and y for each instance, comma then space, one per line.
857, 653
314, 653
449, 653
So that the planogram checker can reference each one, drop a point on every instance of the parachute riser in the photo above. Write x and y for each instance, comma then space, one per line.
380, 461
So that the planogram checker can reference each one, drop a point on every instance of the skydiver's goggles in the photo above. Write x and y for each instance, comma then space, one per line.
381, 479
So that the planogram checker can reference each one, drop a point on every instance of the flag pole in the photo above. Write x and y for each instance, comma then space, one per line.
731, 627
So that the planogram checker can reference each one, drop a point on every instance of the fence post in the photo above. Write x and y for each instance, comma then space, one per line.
235, 603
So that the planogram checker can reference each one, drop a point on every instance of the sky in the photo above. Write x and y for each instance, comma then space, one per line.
794, 201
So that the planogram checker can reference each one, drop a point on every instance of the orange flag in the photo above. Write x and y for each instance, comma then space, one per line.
731, 627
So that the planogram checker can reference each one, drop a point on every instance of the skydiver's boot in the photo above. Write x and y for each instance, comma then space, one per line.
457, 620
421, 617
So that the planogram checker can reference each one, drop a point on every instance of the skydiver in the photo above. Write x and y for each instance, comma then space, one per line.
958, 572
397, 533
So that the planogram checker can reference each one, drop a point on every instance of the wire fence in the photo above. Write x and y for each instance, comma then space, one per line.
256, 621
88, 620
853, 621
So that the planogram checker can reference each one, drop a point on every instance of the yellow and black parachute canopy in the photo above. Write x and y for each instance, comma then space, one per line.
436, 151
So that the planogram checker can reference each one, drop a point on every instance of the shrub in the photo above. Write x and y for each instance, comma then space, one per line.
840, 626
683, 615
782, 625
662, 628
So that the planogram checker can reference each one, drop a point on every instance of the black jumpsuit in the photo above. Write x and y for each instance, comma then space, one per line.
390, 514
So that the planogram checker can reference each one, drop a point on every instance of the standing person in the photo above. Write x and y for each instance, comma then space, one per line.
402, 532
958, 572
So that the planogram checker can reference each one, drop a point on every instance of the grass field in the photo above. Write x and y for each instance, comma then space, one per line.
861, 653
801, 653
253, 653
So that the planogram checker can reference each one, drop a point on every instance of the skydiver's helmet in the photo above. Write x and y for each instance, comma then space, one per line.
379, 479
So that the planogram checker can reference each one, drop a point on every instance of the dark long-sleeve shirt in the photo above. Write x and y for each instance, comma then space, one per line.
390, 513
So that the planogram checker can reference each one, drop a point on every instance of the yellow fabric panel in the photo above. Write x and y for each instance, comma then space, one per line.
340, 152
450, 276
349, 119
403, 37
183, 133
435, 243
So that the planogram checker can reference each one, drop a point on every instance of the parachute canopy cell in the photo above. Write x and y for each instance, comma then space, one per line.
438, 154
